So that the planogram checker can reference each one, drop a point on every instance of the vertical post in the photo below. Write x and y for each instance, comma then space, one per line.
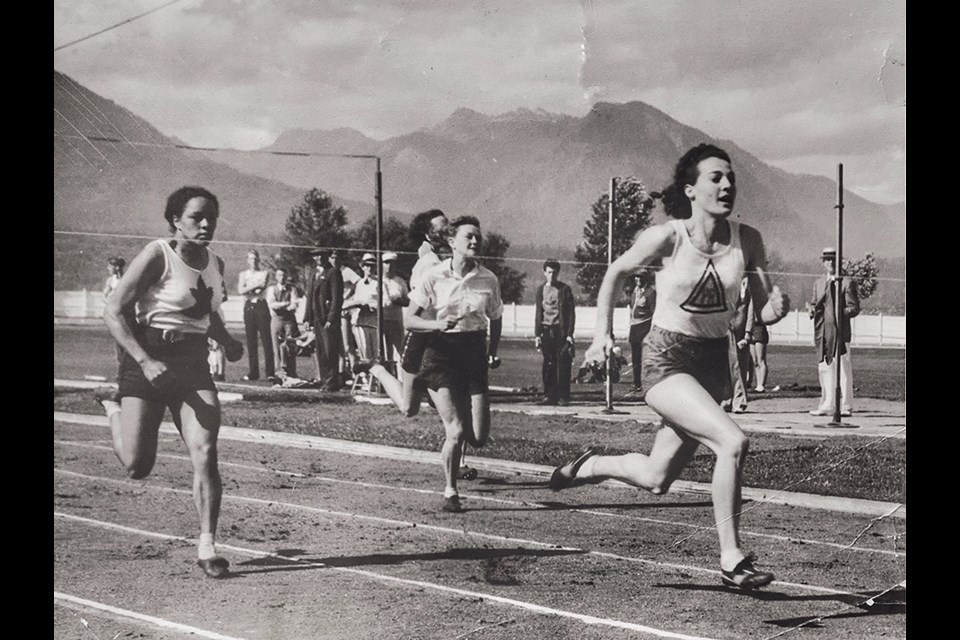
881, 328
609, 383
379, 351
837, 300
838, 308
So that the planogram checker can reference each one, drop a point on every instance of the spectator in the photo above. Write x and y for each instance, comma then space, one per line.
115, 267
282, 299
362, 305
252, 285
323, 313
739, 350
642, 304
396, 296
555, 317
348, 353
216, 360
822, 308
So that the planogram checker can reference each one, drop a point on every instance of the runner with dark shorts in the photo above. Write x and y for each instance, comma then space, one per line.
456, 302
163, 310
702, 256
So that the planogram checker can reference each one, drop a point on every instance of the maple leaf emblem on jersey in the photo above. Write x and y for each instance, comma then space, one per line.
203, 295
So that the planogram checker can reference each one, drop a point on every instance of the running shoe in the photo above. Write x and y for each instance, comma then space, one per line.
452, 505
104, 394
215, 567
466, 473
745, 576
565, 476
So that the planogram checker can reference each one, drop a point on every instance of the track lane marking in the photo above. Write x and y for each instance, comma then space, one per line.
538, 505
443, 530
65, 599
528, 606
301, 441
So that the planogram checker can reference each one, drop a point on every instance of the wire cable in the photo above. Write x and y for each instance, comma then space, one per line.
110, 28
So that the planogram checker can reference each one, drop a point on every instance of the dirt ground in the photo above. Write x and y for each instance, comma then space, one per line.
332, 545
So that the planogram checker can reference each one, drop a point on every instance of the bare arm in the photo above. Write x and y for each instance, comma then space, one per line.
772, 302
145, 270
496, 328
414, 321
650, 247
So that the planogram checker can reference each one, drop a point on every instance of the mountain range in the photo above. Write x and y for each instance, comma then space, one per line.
528, 174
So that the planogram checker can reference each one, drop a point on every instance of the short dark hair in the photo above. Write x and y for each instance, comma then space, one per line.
552, 263
117, 262
177, 202
420, 226
675, 201
458, 222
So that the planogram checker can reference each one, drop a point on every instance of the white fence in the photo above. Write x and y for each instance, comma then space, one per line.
796, 328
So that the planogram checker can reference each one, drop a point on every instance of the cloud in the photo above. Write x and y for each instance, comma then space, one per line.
784, 80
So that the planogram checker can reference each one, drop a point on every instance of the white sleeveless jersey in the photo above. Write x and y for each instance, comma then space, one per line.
697, 292
183, 297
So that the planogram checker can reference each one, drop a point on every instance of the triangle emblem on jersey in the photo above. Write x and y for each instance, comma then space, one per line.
708, 296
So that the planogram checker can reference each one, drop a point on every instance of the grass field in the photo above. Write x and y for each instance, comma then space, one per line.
849, 466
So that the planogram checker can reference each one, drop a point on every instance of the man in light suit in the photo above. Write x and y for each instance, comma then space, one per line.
822, 308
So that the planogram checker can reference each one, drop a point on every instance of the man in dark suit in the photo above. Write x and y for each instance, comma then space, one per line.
553, 331
324, 306
822, 309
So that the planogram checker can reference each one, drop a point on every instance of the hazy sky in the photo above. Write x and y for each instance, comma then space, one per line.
802, 84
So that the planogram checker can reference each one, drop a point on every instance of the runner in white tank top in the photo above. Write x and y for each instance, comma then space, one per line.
696, 291
174, 288
685, 370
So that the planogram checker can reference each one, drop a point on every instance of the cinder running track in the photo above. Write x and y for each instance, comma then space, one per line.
342, 540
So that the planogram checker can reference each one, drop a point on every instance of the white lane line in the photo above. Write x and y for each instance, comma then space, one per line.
444, 530
515, 503
529, 606
68, 600
315, 443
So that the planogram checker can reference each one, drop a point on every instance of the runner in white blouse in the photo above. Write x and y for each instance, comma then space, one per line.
457, 301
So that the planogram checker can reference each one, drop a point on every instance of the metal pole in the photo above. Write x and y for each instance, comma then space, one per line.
838, 305
838, 302
609, 385
378, 352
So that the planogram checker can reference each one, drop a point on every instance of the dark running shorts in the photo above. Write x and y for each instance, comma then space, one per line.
187, 370
760, 334
666, 353
414, 344
457, 361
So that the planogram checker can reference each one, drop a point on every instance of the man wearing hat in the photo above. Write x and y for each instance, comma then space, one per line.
395, 298
822, 308
363, 307
364, 299
324, 304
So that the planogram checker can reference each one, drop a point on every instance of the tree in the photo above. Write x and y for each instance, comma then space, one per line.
632, 214
393, 238
865, 272
495, 248
315, 222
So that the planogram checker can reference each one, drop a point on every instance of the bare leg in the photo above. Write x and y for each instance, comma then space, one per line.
134, 430
405, 393
685, 404
453, 426
198, 419
760, 363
